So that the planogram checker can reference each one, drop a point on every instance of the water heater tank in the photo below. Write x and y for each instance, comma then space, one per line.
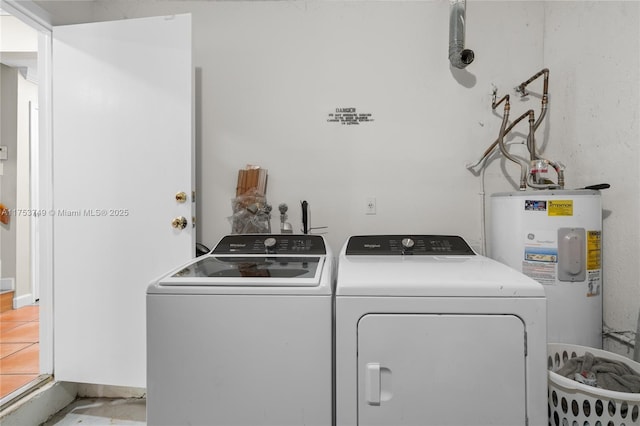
555, 237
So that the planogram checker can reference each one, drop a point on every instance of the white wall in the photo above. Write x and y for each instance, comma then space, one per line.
8, 137
16, 36
15, 237
269, 73
593, 50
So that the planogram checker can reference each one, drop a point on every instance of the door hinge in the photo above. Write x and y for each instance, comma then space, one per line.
526, 347
193, 196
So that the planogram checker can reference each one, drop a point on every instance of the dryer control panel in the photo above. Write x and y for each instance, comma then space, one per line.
443, 245
286, 244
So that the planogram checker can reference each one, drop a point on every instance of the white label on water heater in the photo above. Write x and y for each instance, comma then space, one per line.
541, 256
594, 283
544, 273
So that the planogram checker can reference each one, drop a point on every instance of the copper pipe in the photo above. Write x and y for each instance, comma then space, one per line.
531, 144
543, 110
503, 149
520, 89
531, 141
531, 137
506, 132
545, 93
495, 104
545, 88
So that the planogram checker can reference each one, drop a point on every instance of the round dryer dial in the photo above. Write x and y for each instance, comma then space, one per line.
270, 244
408, 243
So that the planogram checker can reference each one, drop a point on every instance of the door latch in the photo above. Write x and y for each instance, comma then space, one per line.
179, 222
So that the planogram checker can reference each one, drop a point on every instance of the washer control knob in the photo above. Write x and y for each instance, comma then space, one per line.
270, 244
408, 243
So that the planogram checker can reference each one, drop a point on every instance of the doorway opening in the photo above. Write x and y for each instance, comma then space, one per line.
21, 349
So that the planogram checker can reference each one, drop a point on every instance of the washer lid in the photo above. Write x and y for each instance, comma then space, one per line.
249, 270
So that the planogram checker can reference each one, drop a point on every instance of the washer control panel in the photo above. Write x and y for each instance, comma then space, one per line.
271, 244
443, 245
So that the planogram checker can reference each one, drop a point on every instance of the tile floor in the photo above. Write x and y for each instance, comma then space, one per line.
19, 348
19, 365
102, 411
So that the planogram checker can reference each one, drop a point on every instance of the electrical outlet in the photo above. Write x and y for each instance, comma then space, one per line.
370, 206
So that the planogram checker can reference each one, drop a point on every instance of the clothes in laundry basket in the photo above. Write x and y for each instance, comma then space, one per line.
609, 374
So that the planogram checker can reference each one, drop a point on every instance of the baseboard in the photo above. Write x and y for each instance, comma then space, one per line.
36, 408
24, 300
619, 344
104, 391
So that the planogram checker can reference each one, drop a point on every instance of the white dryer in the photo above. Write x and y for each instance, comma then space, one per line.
243, 335
430, 333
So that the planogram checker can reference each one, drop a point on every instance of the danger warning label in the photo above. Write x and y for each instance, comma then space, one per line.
349, 116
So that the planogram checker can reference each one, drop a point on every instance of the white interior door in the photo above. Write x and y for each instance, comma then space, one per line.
122, 150
441, 370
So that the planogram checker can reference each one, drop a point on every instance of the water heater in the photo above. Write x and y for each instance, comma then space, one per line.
555, 237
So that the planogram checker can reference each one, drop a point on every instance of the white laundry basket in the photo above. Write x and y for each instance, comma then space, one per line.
576, 404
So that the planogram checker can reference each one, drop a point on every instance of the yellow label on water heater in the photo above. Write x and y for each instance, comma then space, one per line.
594, 250
560, 207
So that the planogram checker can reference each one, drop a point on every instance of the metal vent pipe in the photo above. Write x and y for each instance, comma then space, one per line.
458, 55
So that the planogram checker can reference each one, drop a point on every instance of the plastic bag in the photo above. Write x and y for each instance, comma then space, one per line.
251, 214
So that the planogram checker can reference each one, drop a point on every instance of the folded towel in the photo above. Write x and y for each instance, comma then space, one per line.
610, 374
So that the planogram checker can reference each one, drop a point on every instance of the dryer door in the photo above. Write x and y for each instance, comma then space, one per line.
427, 369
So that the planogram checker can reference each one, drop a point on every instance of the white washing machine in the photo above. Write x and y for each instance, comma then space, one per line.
429, 333
243, 335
